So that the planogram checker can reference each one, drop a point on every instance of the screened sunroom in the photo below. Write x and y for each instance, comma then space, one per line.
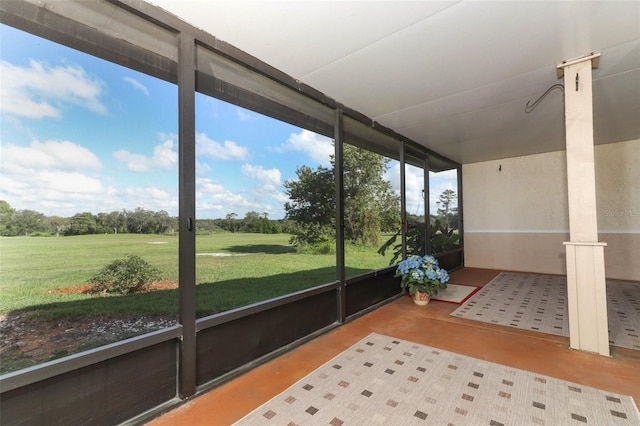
274, 161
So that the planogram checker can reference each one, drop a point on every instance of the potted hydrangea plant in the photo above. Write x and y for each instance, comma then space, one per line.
422, 277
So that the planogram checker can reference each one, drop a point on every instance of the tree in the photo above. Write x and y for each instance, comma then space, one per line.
116, 222
369, 200
230, 222
252, 223
162, 223
368, 197
101, 223
447, 203
390, 213
6, 219
141, 221
207, 226
312, 205
57, 224
28, 221
251, 215
82, 224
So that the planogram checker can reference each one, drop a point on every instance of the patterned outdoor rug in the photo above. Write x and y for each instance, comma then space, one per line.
539, 302
456, 293
387, 381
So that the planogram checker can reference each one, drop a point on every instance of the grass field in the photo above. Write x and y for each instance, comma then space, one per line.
39, 323
231, 270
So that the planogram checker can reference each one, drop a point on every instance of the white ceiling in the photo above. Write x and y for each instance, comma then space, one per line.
453, 76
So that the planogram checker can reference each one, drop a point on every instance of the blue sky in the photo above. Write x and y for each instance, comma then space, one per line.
81, 134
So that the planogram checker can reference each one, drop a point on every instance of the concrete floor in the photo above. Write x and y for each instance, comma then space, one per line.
430, 325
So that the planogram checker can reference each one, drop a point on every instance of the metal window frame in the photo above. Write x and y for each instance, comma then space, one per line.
145, 38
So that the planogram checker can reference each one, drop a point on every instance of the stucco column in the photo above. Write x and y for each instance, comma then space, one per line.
586, 286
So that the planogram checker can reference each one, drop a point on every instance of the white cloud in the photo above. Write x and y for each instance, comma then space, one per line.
317, 147
148, 197
271, 177
49, 191
266, 194
207, 186
63, 178
65, 183
135, 162
56, 155
164, 156
414, 183
451, 175
229, 150
202, 169
39, 90
243, 115
214, 200
137, 85
281, 198
51, 177
106, 199
393, 176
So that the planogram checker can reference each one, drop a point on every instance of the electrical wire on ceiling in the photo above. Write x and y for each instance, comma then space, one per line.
531, 106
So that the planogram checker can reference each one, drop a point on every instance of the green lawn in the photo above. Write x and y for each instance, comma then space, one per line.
256, 267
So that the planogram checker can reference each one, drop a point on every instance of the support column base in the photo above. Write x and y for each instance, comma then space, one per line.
587, 297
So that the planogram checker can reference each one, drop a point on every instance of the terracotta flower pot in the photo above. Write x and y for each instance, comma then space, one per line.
420, 298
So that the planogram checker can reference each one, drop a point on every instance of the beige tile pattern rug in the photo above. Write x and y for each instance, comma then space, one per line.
538, 302
382, 380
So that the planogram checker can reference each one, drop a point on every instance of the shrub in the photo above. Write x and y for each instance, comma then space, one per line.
441, 238
323, 247
124, 276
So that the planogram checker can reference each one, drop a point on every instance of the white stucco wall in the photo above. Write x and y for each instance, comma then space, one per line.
516, 211
618, 187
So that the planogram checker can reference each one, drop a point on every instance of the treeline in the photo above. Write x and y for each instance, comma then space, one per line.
139, 221
253, 222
